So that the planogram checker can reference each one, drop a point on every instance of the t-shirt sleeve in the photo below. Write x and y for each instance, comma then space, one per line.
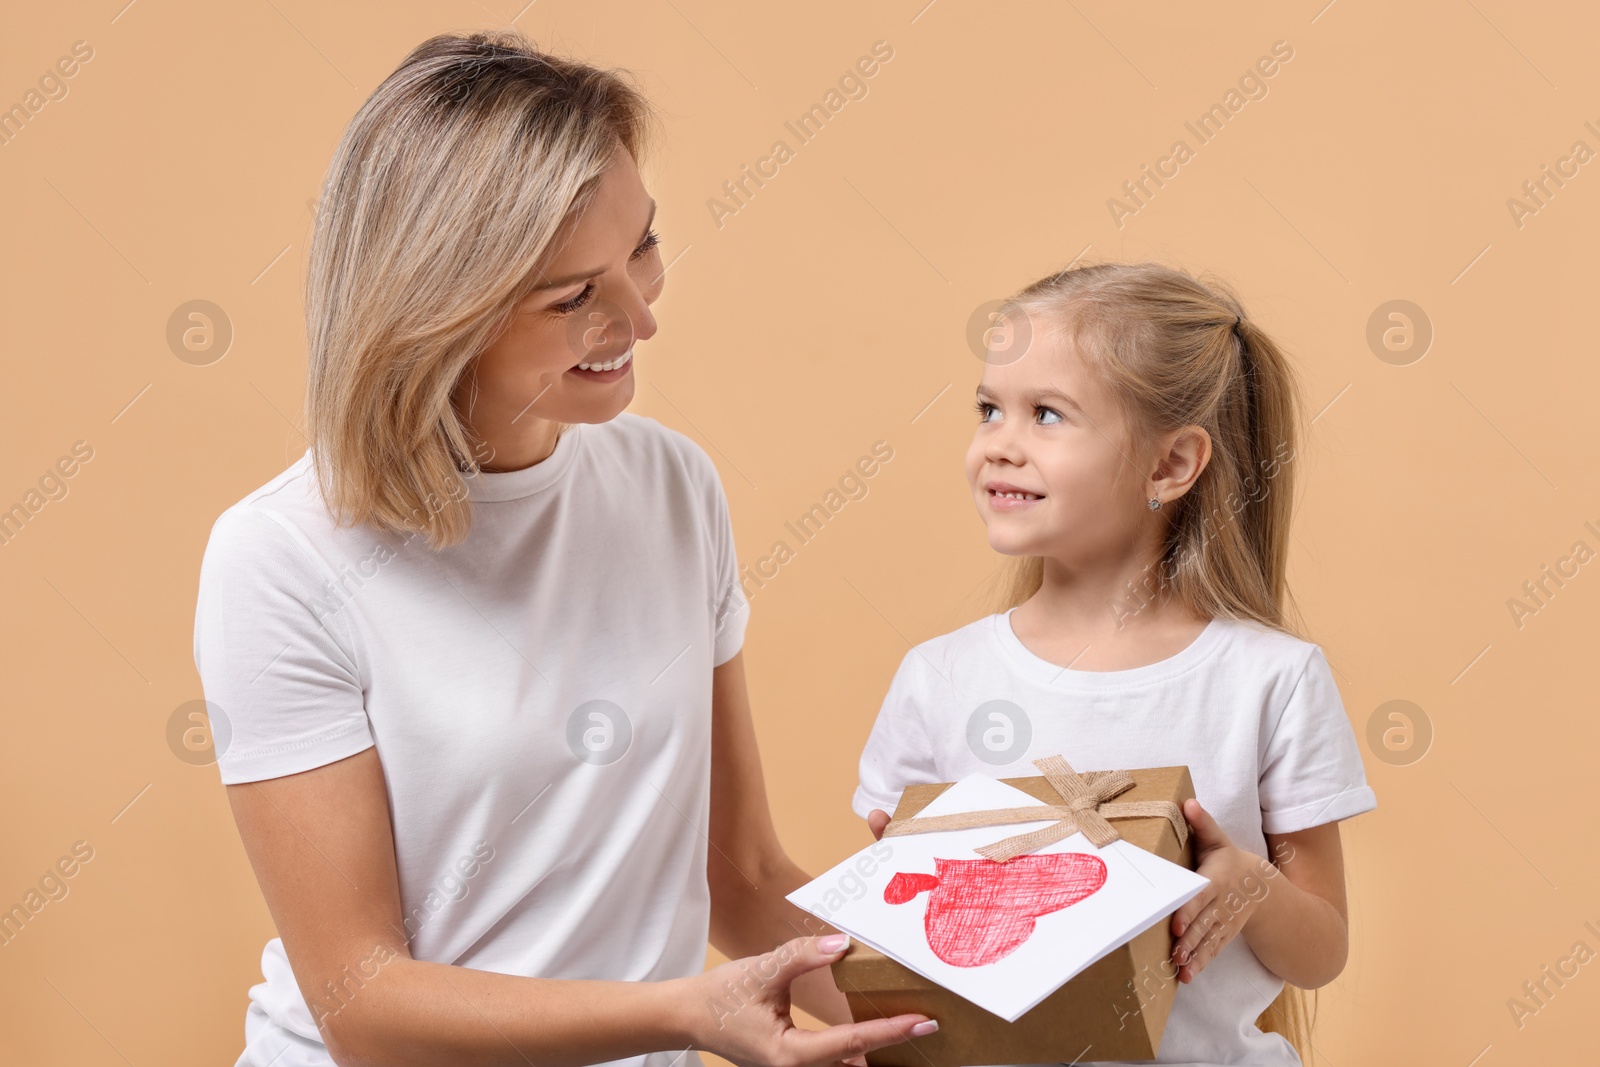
898, 752
1311, 770
286, 689
732, 613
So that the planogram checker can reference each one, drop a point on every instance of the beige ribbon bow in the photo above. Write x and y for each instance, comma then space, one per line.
1085, 806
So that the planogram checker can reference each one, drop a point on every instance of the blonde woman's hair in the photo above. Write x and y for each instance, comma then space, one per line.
1166, 345
445, 195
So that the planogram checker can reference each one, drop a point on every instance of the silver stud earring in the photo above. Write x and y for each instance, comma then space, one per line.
1155, 503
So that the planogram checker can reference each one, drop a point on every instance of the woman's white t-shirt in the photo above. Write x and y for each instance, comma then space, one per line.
539, 695
1253, 712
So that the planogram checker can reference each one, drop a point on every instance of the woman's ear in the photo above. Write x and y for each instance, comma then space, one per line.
1183, 456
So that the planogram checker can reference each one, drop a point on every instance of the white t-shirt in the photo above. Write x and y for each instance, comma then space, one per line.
539, 695
1253, 713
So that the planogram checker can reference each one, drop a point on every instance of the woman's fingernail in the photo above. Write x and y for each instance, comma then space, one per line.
923, 1029
832, 943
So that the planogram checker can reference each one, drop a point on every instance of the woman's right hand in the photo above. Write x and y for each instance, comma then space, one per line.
740, 1011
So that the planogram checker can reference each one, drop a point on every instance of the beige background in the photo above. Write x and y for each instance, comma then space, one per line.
827, 314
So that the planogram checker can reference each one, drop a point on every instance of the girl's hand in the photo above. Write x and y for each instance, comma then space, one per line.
1205, 925
877, 819
740, 1011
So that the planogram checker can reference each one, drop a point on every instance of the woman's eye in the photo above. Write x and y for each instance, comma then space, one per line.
569, 306
651, 240
1048, 411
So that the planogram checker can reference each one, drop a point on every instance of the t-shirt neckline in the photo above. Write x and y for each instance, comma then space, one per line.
1054, 674
512, 485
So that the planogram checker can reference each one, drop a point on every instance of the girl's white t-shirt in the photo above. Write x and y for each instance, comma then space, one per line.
539, 695
1253, 712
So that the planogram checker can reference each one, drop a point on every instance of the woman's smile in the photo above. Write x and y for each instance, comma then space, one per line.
611, 370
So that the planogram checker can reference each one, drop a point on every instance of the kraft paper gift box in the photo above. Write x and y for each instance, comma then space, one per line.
1115, 1009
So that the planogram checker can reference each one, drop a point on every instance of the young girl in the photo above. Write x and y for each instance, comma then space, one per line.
1134, 453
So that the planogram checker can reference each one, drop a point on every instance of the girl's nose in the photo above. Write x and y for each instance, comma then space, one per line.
1003, 446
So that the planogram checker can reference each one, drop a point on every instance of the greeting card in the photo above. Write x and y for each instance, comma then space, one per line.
1004, 935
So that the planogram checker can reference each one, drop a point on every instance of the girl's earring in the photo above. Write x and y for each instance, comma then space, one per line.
1155, 503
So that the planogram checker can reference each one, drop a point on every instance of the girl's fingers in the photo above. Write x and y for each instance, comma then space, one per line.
1207, 834
1216, 936
1185, 916
1194, 932
850, 1040
877, 819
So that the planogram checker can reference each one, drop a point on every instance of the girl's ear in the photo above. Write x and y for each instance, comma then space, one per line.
1185, 453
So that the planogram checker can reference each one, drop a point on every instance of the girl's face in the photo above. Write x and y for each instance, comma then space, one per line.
1050, 466
603, 273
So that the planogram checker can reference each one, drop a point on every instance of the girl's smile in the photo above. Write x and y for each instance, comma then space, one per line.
1003, 496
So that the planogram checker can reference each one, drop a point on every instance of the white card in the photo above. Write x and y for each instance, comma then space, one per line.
1004, 936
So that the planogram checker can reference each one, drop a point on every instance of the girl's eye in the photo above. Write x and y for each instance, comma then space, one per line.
984, 408
569, 306
651, 240
1048, 411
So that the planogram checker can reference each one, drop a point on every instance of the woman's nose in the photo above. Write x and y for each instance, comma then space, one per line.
633, 303
645, 324
615, 322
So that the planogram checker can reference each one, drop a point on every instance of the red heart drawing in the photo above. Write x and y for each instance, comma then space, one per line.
979, 911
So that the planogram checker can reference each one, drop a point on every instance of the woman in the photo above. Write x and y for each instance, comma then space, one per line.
499, 781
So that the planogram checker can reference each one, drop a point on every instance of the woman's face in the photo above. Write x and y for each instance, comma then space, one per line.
567, 354
1050, 466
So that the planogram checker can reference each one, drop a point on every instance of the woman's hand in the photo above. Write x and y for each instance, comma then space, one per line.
740, 1011
1205, 925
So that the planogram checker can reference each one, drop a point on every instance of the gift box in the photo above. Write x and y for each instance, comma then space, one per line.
1116, 1009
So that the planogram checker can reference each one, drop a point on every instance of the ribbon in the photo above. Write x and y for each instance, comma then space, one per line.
1085, 807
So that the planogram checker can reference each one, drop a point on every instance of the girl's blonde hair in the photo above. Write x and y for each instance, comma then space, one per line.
446, 193
1166, 345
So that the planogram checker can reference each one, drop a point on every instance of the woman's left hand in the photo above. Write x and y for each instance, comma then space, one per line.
1205, 925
